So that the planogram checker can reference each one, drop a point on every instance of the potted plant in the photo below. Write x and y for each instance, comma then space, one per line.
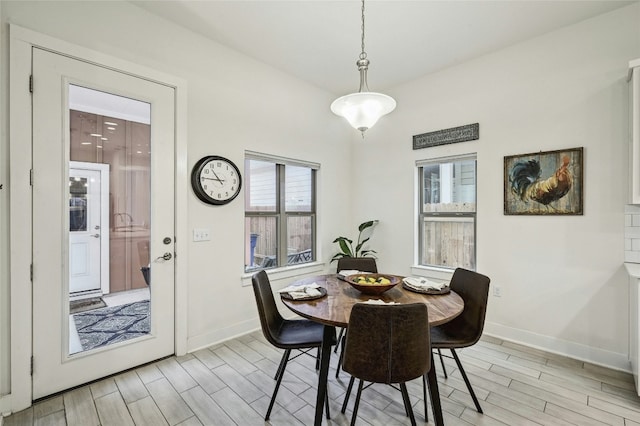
346, 244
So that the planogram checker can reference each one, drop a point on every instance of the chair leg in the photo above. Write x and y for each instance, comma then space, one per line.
283, 366
444, 369
347, 395
355, 406
466, 380
424, 398
326, 401
339, 366
283, 361
318, 359
335, 351
407, 403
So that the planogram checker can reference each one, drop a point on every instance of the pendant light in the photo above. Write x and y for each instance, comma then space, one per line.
364, 108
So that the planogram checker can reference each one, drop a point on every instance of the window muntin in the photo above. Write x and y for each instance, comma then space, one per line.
447, 213
279, 212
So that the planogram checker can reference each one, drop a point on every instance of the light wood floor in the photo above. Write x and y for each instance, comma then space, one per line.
231, 384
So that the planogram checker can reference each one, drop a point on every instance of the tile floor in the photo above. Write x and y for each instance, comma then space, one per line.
231, 384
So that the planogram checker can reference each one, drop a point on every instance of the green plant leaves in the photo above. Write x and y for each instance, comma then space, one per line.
346, 244
366, 225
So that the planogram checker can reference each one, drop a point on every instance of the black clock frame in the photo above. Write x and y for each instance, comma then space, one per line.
196, 184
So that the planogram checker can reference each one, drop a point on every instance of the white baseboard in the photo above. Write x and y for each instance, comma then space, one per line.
207, 339
5, 406
613, 360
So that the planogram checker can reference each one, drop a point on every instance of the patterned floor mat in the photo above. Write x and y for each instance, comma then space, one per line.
105, 326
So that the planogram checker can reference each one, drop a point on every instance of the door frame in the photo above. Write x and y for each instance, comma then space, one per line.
21, 42
104, 218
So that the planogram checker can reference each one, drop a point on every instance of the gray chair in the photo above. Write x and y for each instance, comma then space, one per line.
363, 264
466, 329
282, 333
386, 344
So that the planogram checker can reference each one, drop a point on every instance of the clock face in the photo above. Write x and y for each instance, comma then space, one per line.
216, 180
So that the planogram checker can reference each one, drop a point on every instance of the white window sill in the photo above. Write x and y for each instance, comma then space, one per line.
276, 274
432, 272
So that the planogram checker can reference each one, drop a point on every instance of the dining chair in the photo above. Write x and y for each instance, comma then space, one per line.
466, 329
300, 334
386, 344
362, 264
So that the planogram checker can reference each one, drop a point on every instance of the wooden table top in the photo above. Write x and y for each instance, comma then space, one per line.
335, 308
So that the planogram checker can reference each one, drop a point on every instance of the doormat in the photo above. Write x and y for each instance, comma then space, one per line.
77, 306
101, 327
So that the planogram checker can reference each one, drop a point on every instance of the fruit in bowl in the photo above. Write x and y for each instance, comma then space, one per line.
372, 283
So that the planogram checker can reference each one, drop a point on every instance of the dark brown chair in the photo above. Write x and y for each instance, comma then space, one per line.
282, 333
386, 344
363, 264
466, 329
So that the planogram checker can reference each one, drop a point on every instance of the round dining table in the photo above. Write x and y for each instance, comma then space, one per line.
334, 310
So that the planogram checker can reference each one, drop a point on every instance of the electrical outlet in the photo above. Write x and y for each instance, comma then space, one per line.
201, 234
497, 291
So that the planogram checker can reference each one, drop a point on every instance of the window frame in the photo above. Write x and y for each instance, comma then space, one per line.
423, 216
280, 213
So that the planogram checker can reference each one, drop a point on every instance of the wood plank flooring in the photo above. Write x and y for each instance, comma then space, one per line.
231, 384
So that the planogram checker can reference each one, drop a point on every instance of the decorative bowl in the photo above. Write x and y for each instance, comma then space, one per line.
370, 283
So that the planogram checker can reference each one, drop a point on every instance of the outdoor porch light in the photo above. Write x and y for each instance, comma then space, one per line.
364, 108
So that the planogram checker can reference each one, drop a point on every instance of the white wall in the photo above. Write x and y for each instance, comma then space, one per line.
234, 104
4, 222
563, 284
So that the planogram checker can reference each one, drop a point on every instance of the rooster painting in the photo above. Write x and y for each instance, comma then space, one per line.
527, 183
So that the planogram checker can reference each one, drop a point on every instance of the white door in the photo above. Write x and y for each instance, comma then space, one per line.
88, 217
139, 213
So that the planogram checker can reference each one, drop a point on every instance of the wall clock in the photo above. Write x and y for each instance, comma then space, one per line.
216, 180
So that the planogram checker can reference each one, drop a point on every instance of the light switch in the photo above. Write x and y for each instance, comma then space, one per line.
201, 234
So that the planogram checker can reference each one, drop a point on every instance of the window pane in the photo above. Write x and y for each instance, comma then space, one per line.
448, 242
298, 185
261, 243
260, 193
299, 239
77, 204
449, 187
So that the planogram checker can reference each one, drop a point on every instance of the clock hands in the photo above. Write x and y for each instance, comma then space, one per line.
217, 178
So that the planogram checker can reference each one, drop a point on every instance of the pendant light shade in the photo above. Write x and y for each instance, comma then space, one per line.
363, 109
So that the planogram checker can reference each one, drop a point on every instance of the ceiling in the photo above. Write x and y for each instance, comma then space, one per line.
319, 41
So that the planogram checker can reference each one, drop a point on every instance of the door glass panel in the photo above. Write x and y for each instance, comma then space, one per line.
77, 204
109, 264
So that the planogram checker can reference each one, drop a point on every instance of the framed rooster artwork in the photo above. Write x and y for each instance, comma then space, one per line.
544, 183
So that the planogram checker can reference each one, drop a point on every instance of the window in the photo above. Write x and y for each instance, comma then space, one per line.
447, 213
280, 212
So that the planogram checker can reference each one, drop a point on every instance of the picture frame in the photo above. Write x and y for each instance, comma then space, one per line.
544, 183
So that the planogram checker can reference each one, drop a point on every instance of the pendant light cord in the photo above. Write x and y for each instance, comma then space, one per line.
363, 54
363, 62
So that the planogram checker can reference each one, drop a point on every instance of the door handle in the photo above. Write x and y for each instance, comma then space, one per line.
95, 235
166, 256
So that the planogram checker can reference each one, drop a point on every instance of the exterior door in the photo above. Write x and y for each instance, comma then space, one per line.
88, 217
85, 112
